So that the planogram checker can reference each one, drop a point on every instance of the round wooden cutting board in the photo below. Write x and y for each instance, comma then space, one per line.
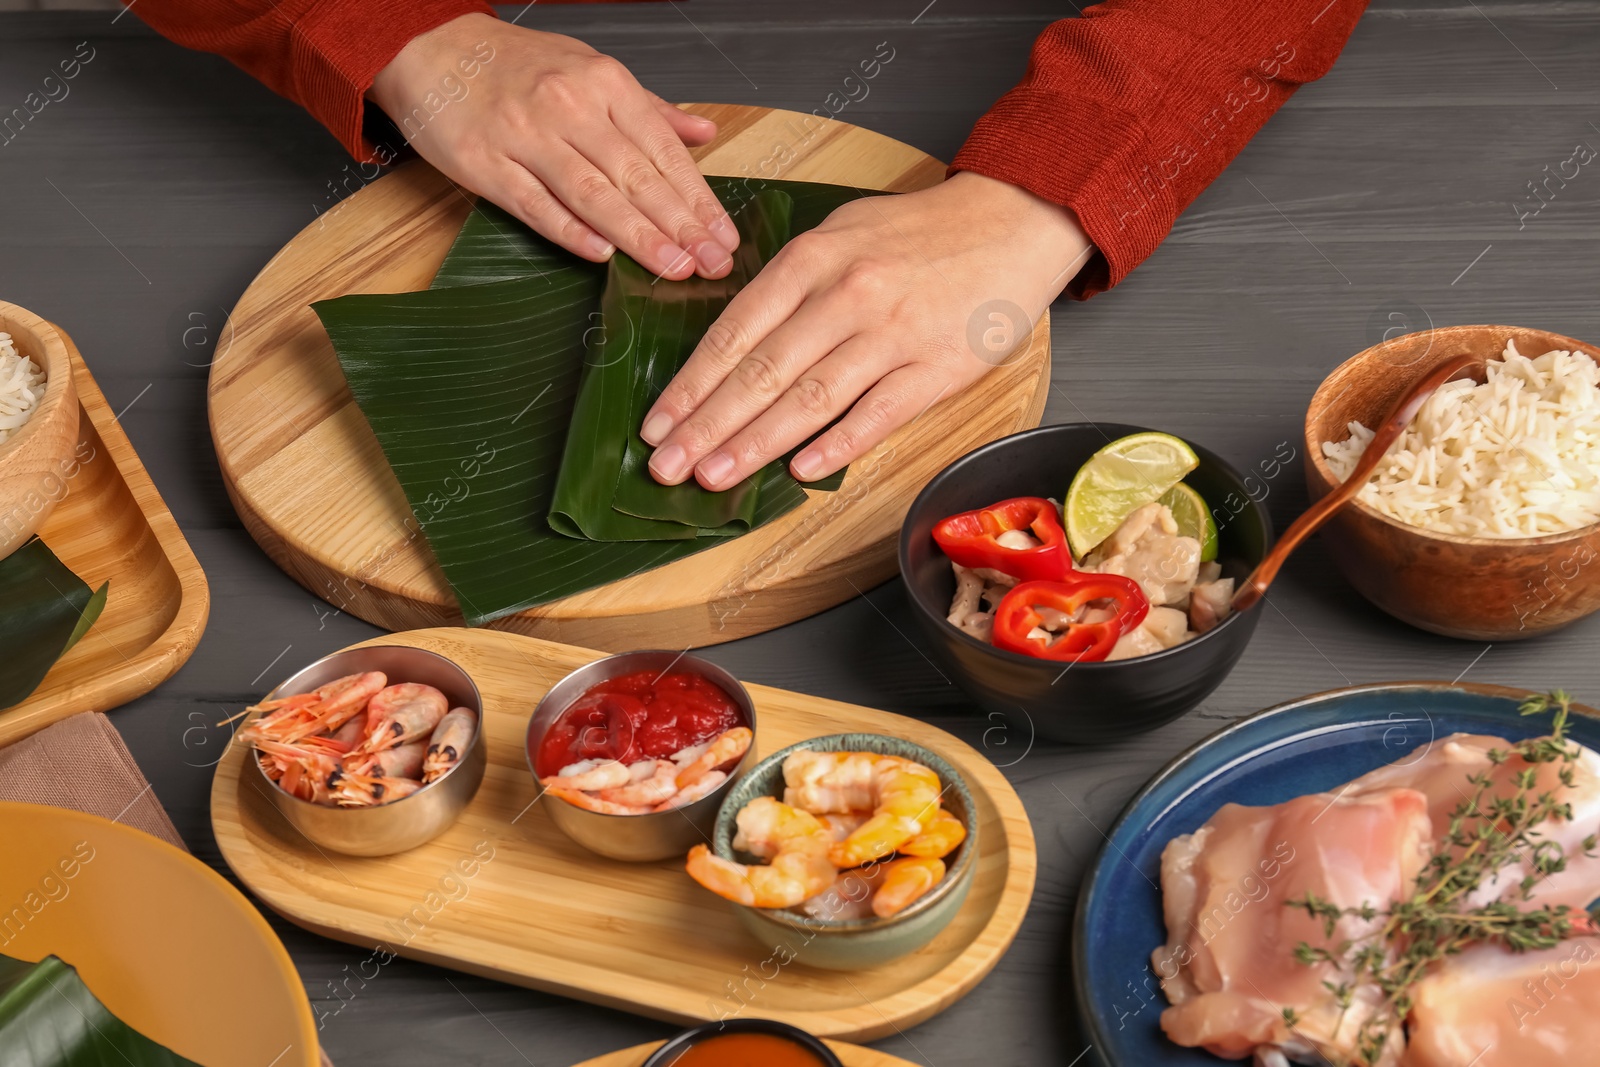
849, 1055
311, 484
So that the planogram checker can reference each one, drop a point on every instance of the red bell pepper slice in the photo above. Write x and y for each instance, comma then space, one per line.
972, 539
1018, 614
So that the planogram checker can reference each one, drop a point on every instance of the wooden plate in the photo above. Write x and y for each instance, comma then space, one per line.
312, 486
113, 526
850, 1055
161, 939
540, 911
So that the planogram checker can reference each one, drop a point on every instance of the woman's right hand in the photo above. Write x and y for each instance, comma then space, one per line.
565, 139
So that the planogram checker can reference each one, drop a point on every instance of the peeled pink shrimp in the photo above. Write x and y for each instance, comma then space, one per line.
590, 802
589, 775
450, 739
724, 748
842, 824
703, 787
652, 782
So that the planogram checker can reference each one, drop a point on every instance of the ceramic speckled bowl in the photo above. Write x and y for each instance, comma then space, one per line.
854, 944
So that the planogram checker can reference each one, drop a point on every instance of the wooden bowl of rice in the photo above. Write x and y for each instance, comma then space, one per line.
1483, 521
40, 431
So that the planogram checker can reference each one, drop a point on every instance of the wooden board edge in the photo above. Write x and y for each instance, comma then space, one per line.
183, 634
156, 662
871, 1021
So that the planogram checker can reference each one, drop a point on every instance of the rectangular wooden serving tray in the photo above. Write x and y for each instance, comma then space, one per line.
113, 526
541, 911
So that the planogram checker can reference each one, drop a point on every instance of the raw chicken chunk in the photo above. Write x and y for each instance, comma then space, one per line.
1162, 628
1148, 549
1491, 1007
1440, 771
1209, 604
1229, 967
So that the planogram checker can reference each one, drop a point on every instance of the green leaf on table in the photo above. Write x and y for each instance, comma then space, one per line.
44, 610
49, 1018
471, 387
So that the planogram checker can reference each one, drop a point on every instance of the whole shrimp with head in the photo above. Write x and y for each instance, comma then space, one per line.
322, 711
358, 741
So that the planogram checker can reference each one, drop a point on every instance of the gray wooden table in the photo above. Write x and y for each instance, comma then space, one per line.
141, 205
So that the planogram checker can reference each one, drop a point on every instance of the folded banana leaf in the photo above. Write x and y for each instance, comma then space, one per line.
605, 491
44, 610
471, 387
49, 1018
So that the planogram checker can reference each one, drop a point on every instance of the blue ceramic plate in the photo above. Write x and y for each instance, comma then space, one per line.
1311, 745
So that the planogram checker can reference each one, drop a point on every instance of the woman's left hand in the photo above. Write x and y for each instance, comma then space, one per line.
890, 305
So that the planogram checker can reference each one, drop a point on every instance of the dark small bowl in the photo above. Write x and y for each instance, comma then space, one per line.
668, 1054
1083, 703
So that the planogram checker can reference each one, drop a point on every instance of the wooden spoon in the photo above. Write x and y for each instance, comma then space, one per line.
1399, 418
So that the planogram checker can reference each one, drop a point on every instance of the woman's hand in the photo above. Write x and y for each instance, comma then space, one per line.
565, 139
890, 305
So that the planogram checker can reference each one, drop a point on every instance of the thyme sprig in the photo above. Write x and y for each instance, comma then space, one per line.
1485, 835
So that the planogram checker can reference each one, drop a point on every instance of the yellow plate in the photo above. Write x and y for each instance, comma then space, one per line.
162, 940
849, 1055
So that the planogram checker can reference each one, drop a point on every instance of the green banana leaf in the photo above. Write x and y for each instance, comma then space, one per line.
471, 387
605, 491
49, 1018
44, 610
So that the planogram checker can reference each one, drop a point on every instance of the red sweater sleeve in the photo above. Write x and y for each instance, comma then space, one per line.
1127, 113
322, 54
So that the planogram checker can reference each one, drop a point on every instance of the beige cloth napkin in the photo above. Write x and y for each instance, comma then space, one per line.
81, 763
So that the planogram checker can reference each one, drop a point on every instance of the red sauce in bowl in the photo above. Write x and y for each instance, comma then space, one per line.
746, 1050
643, 715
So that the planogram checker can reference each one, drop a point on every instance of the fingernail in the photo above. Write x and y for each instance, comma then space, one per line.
726, 232
716, 468
712, 256
675, 258
656, 427
807, 464
598, 247
669, 462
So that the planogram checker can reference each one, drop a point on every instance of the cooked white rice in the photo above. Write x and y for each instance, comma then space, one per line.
1517, 456
21, 387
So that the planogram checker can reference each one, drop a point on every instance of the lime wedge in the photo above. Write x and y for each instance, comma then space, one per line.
1126, 474
1194, 520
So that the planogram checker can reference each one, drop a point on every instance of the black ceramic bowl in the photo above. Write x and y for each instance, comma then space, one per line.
1086, 703
668, 1054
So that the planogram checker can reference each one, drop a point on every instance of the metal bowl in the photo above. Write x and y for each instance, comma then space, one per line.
636, 838
401, 824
